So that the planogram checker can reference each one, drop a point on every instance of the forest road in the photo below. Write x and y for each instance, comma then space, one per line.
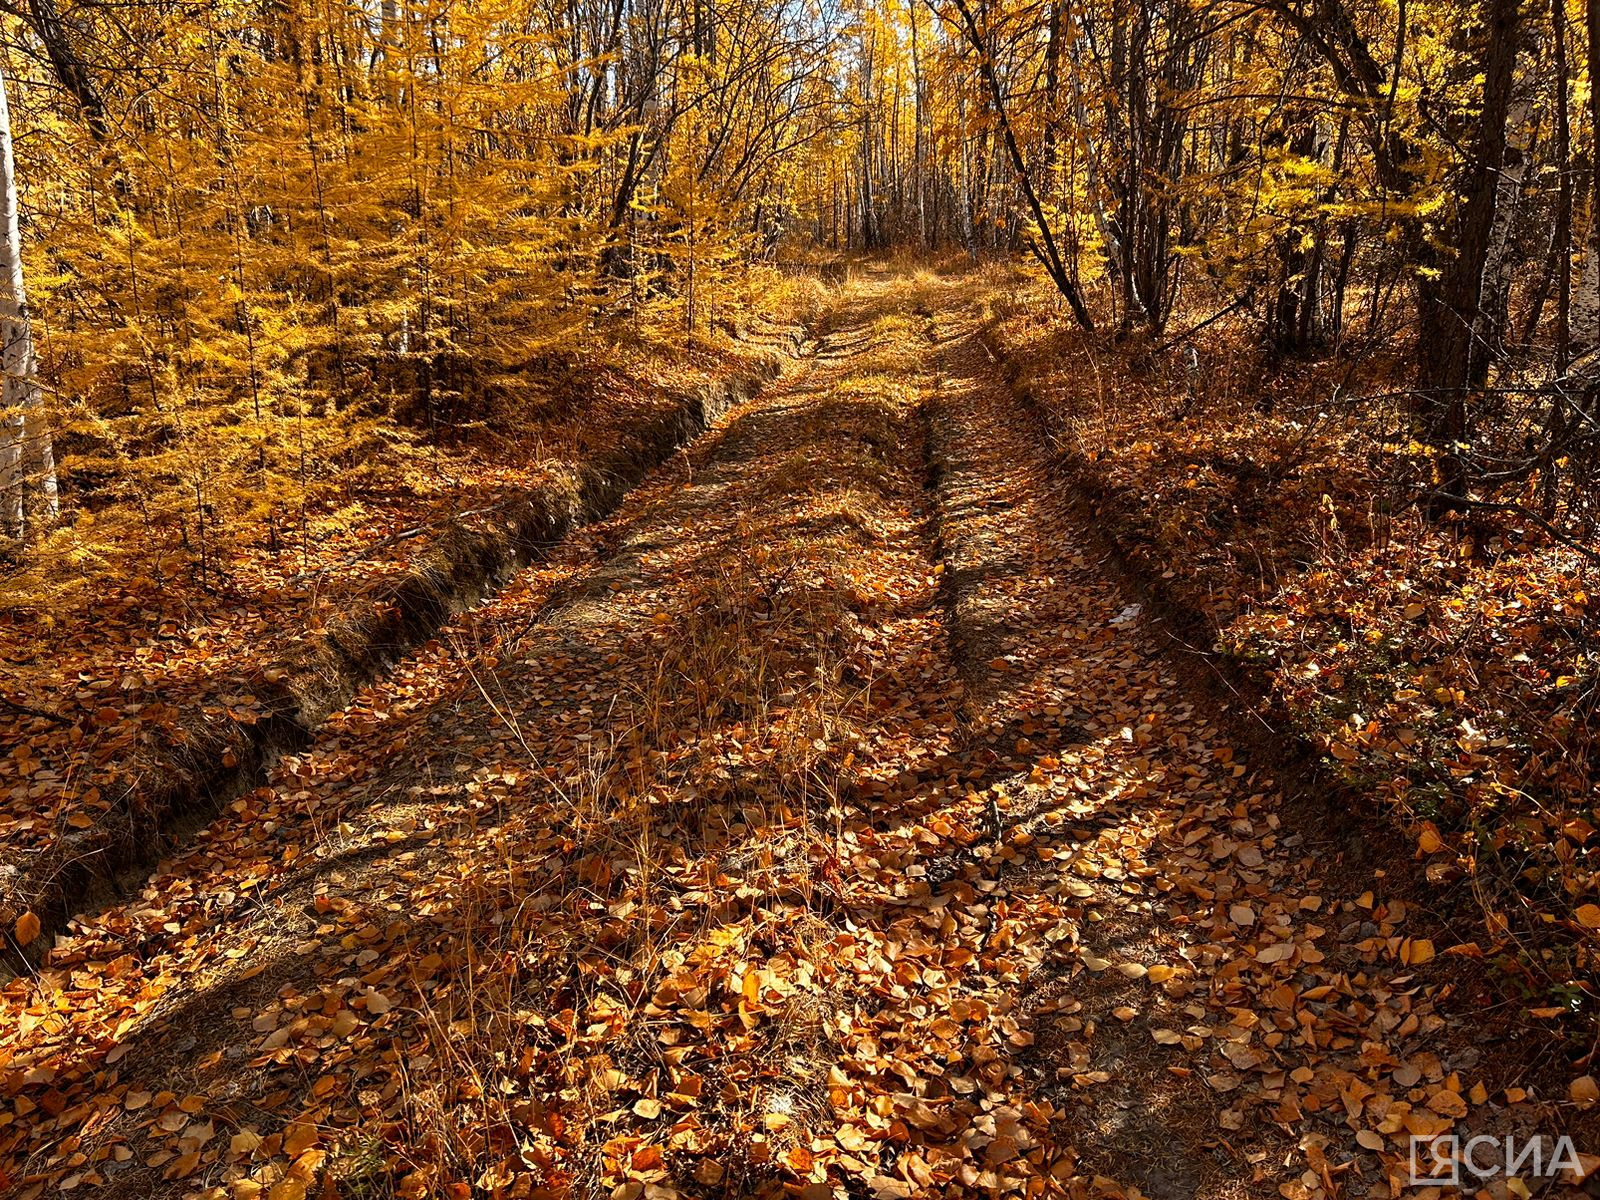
830, 821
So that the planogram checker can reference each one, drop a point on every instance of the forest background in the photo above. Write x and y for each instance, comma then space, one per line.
291, 289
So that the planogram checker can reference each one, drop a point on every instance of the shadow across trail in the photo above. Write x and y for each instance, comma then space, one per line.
1245, 1003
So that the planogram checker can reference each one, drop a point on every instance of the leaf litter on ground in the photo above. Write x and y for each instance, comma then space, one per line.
801, 830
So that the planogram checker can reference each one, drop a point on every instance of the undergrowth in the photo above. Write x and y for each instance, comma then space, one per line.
1443, 666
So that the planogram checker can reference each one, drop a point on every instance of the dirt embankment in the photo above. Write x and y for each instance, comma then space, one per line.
224, 751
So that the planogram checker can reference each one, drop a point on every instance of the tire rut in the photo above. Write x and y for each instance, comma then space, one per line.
1226, 976
592, 690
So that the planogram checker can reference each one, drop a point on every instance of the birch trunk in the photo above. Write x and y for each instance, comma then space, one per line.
1111, 240
1499, 265
386, 52
25, 445
1586, 300
1452, 327
1453, 330
1586, 304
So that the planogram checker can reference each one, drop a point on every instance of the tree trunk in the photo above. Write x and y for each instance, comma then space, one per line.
1498, 265
1586, 304
1452, 326
916, 129
1044, 241
1110, 233
25, 442
1293, 324
70, 70
1561, 249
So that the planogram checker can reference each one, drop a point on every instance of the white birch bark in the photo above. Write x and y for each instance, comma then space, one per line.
1586, 300
1498, 265
25, 441
1111, 244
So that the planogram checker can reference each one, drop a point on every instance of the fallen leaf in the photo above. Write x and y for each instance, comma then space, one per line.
26, 929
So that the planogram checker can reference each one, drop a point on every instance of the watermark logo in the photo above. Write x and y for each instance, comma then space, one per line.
1447, 1160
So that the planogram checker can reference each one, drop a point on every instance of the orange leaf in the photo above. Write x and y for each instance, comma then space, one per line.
27, 928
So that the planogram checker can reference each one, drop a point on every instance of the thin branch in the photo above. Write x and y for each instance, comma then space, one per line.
1448, 500
26, 710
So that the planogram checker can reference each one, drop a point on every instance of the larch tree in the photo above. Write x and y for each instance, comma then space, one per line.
265, 240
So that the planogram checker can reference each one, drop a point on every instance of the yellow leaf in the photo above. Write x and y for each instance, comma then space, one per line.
183, 1167
1447, 1103
306, 1166
298, 1138
1589, 916
27, 928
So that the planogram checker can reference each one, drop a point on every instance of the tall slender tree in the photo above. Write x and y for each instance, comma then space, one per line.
27, 454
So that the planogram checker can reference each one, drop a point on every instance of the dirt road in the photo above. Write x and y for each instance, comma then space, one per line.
828, 822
